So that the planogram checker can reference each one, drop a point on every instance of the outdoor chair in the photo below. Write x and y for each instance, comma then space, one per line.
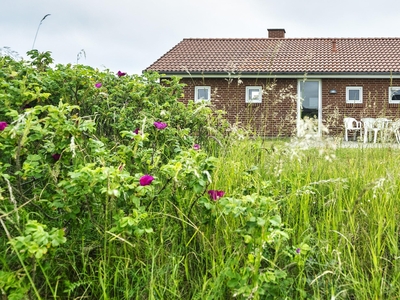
351, 124
394, 129
375, 125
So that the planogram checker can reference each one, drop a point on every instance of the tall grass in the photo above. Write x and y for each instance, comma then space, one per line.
342, 202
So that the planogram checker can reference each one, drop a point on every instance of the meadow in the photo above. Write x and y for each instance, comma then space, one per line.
112, 189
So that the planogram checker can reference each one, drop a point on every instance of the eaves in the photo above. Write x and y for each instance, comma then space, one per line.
297, 75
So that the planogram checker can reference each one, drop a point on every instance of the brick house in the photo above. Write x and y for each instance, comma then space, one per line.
271, 83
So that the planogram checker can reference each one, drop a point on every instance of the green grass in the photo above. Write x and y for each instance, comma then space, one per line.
342, 202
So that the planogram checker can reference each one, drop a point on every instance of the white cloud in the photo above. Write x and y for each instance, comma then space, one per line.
130, 35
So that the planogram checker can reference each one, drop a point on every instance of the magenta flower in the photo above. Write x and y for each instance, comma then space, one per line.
98, 85
196, 147
160, 125
298, 250
146, 180
56, 156
136, 131
3, 125
215, 195
120, 74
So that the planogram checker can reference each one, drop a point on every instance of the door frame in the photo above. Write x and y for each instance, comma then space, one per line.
299, 100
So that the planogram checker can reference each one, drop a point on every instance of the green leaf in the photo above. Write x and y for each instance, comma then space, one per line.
247, 238
276, 221
260, 222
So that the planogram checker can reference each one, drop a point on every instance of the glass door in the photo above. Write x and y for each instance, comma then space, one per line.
309, 104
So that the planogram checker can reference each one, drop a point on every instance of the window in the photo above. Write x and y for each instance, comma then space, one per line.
354, 94
202, 93
394, 94
253, 94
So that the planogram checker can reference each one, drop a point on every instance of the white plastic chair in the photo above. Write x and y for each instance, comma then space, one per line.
394, 128
369, 126
383, 125
374, 125
351, 124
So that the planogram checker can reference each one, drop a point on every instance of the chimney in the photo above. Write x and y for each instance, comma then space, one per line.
276, 33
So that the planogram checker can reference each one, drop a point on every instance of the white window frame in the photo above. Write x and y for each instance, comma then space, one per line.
202, 87
260, 91
352, 88
391, 89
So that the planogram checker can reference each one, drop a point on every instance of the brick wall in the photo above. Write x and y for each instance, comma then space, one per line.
375, 101
276, 115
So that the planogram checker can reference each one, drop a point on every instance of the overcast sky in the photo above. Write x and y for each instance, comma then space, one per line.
129, 35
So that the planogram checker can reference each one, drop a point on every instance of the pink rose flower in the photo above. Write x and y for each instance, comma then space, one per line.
3, 125
146, 180
120, 74
160, 125
215, 195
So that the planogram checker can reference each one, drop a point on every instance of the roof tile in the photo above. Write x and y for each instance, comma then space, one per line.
294, 55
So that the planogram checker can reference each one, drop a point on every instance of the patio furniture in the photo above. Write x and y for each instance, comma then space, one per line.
375, 125
351, 124
394, 128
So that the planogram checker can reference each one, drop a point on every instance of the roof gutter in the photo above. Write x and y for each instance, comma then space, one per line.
284, 75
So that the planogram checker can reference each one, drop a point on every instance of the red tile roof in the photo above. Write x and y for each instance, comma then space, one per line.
285, 55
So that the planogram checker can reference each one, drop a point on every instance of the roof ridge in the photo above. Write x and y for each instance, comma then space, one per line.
309, 38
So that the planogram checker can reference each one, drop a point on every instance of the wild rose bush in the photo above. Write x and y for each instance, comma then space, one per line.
70, 116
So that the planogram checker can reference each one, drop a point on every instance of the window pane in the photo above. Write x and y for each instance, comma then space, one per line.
202, 94
354, 95
310, 94
395, 94
254, 94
